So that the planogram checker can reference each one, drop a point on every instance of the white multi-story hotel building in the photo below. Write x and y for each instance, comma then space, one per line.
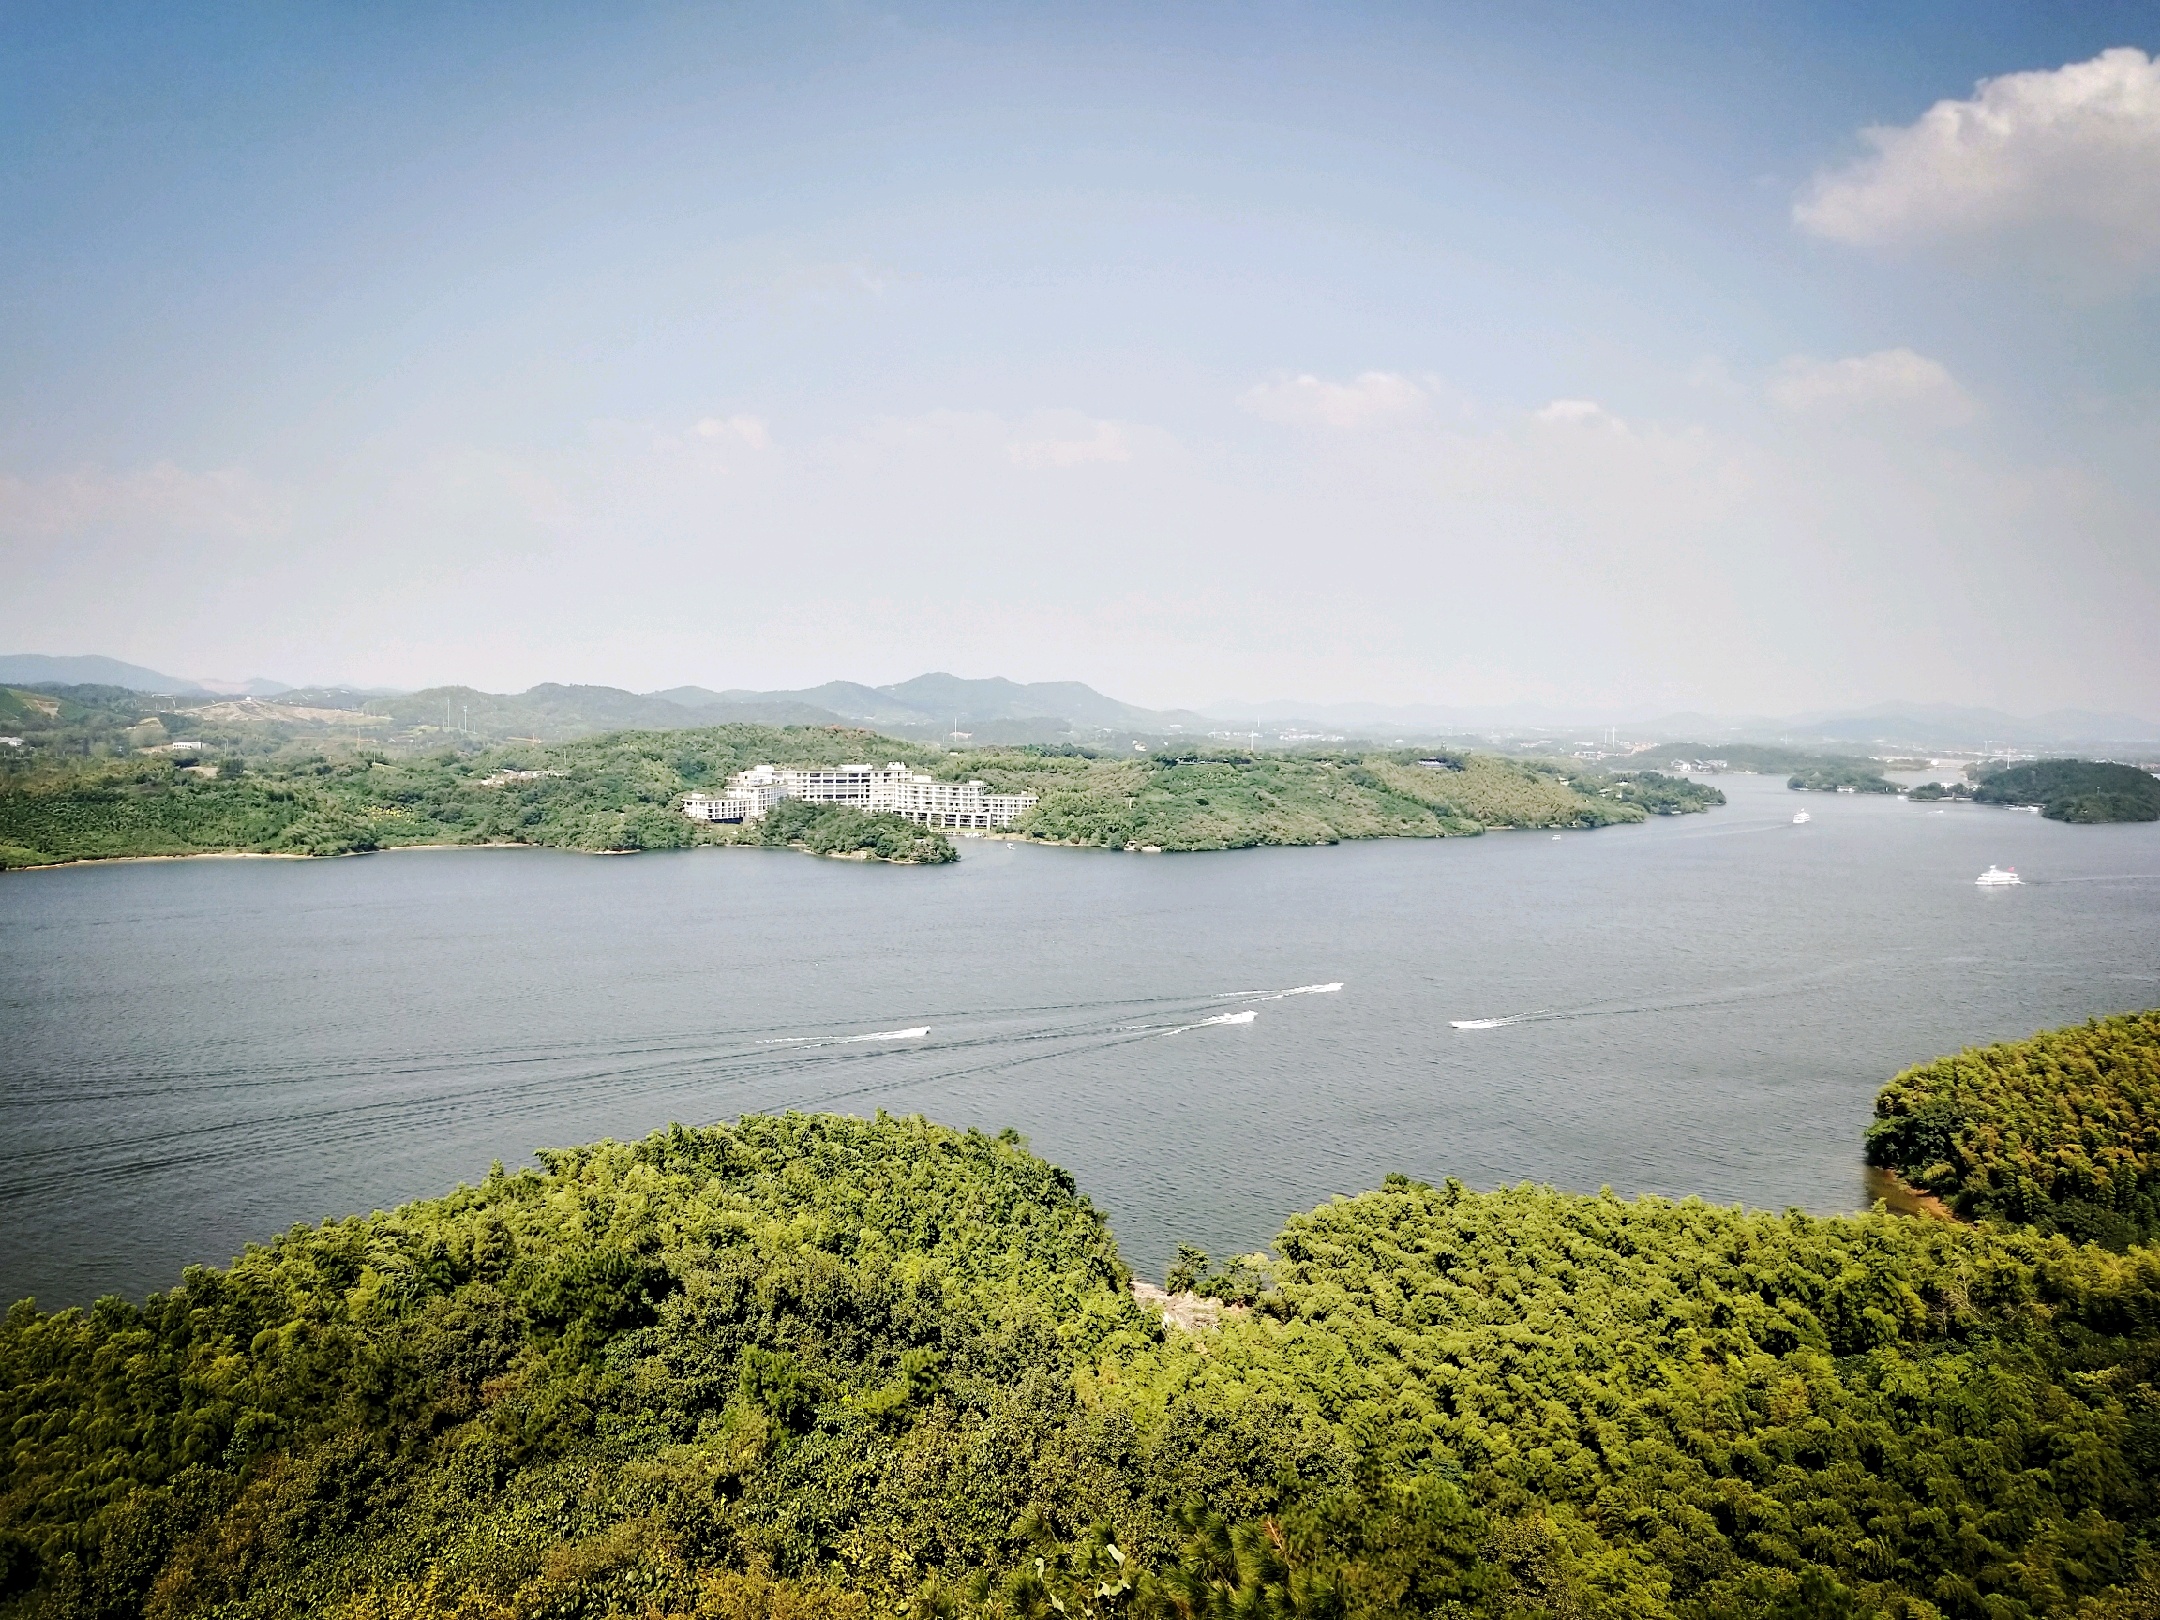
890, 788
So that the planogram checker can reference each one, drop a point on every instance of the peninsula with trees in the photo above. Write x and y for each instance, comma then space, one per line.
625, 791
2075, 790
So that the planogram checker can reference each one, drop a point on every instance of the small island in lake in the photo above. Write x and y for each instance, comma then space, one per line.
2076, 790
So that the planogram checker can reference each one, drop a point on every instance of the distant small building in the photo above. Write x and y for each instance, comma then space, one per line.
10, 742
892, 789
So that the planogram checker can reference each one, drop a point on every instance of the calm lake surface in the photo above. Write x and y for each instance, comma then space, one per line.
195, 1054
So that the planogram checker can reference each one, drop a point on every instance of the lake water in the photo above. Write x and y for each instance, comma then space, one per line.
197, 1053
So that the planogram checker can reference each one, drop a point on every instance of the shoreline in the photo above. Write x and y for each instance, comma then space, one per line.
987, 835
397, 849
1901, 1197
285, 855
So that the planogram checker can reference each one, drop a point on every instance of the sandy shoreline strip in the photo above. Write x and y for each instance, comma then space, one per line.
285, 855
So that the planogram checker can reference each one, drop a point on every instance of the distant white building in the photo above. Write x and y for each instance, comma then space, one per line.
953, 804
892, 788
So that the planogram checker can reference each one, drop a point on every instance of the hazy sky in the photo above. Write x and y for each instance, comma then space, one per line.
1749, 357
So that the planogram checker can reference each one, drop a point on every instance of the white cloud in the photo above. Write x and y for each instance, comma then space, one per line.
2073, 153
1373, 396
1586, 412
748, 430
163, 497
1895, 381
1106, 441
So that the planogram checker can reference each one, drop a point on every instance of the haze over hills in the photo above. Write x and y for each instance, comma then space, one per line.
942, 699
934, 705
92, 669
1904, 724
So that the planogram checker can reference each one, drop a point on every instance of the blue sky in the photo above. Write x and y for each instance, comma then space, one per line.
1443, 354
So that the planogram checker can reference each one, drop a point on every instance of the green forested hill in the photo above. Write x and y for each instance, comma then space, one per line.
2075, 790
624, 791
1864, 778
2062, 1130
807, 1366
1230, 800
620, 792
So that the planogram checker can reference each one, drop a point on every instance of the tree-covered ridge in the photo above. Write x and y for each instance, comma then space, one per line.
806, 1344
1231, 800
1704, 1408
625, 791
1862, 778
1757, 758
813, 1366
2076, 790
2061, 1131
621, 792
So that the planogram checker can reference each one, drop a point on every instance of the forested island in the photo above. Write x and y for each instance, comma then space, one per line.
623, 792
2061, 1132
809, 1366
1866, 778
2075, 790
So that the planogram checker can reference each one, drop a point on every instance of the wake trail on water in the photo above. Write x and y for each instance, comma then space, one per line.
919, 1032
1495, 1023
1219, 1018
289, 1108
1732, 996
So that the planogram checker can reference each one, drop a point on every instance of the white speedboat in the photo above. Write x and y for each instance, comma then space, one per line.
1996, 877
1800, 819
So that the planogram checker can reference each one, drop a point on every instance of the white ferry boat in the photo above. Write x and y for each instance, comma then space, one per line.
1800, 819
1995, 877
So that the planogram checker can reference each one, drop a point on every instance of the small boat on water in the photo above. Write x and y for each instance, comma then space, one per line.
1801, 819
1996, 877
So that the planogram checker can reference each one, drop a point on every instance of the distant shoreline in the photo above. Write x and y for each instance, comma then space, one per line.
396, 849
284, 855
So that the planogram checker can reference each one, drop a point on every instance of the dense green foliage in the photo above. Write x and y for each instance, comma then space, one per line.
2061, 1131
1209, 799
836, 829
81, 722
1702, 1405
1662, 795
620, 792
808, 1366
624, 792
816, 1346
1936, 792
1763, 759
1866, 778
2075, 790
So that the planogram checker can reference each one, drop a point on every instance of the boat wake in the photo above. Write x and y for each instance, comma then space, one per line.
1736, 995
1496, 1023
1278, 995
914, 1034
1219, 1018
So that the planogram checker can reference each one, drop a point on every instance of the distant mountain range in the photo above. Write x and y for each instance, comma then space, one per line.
32, 669
950, 702
1913, 725
1002, 711
928, 707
